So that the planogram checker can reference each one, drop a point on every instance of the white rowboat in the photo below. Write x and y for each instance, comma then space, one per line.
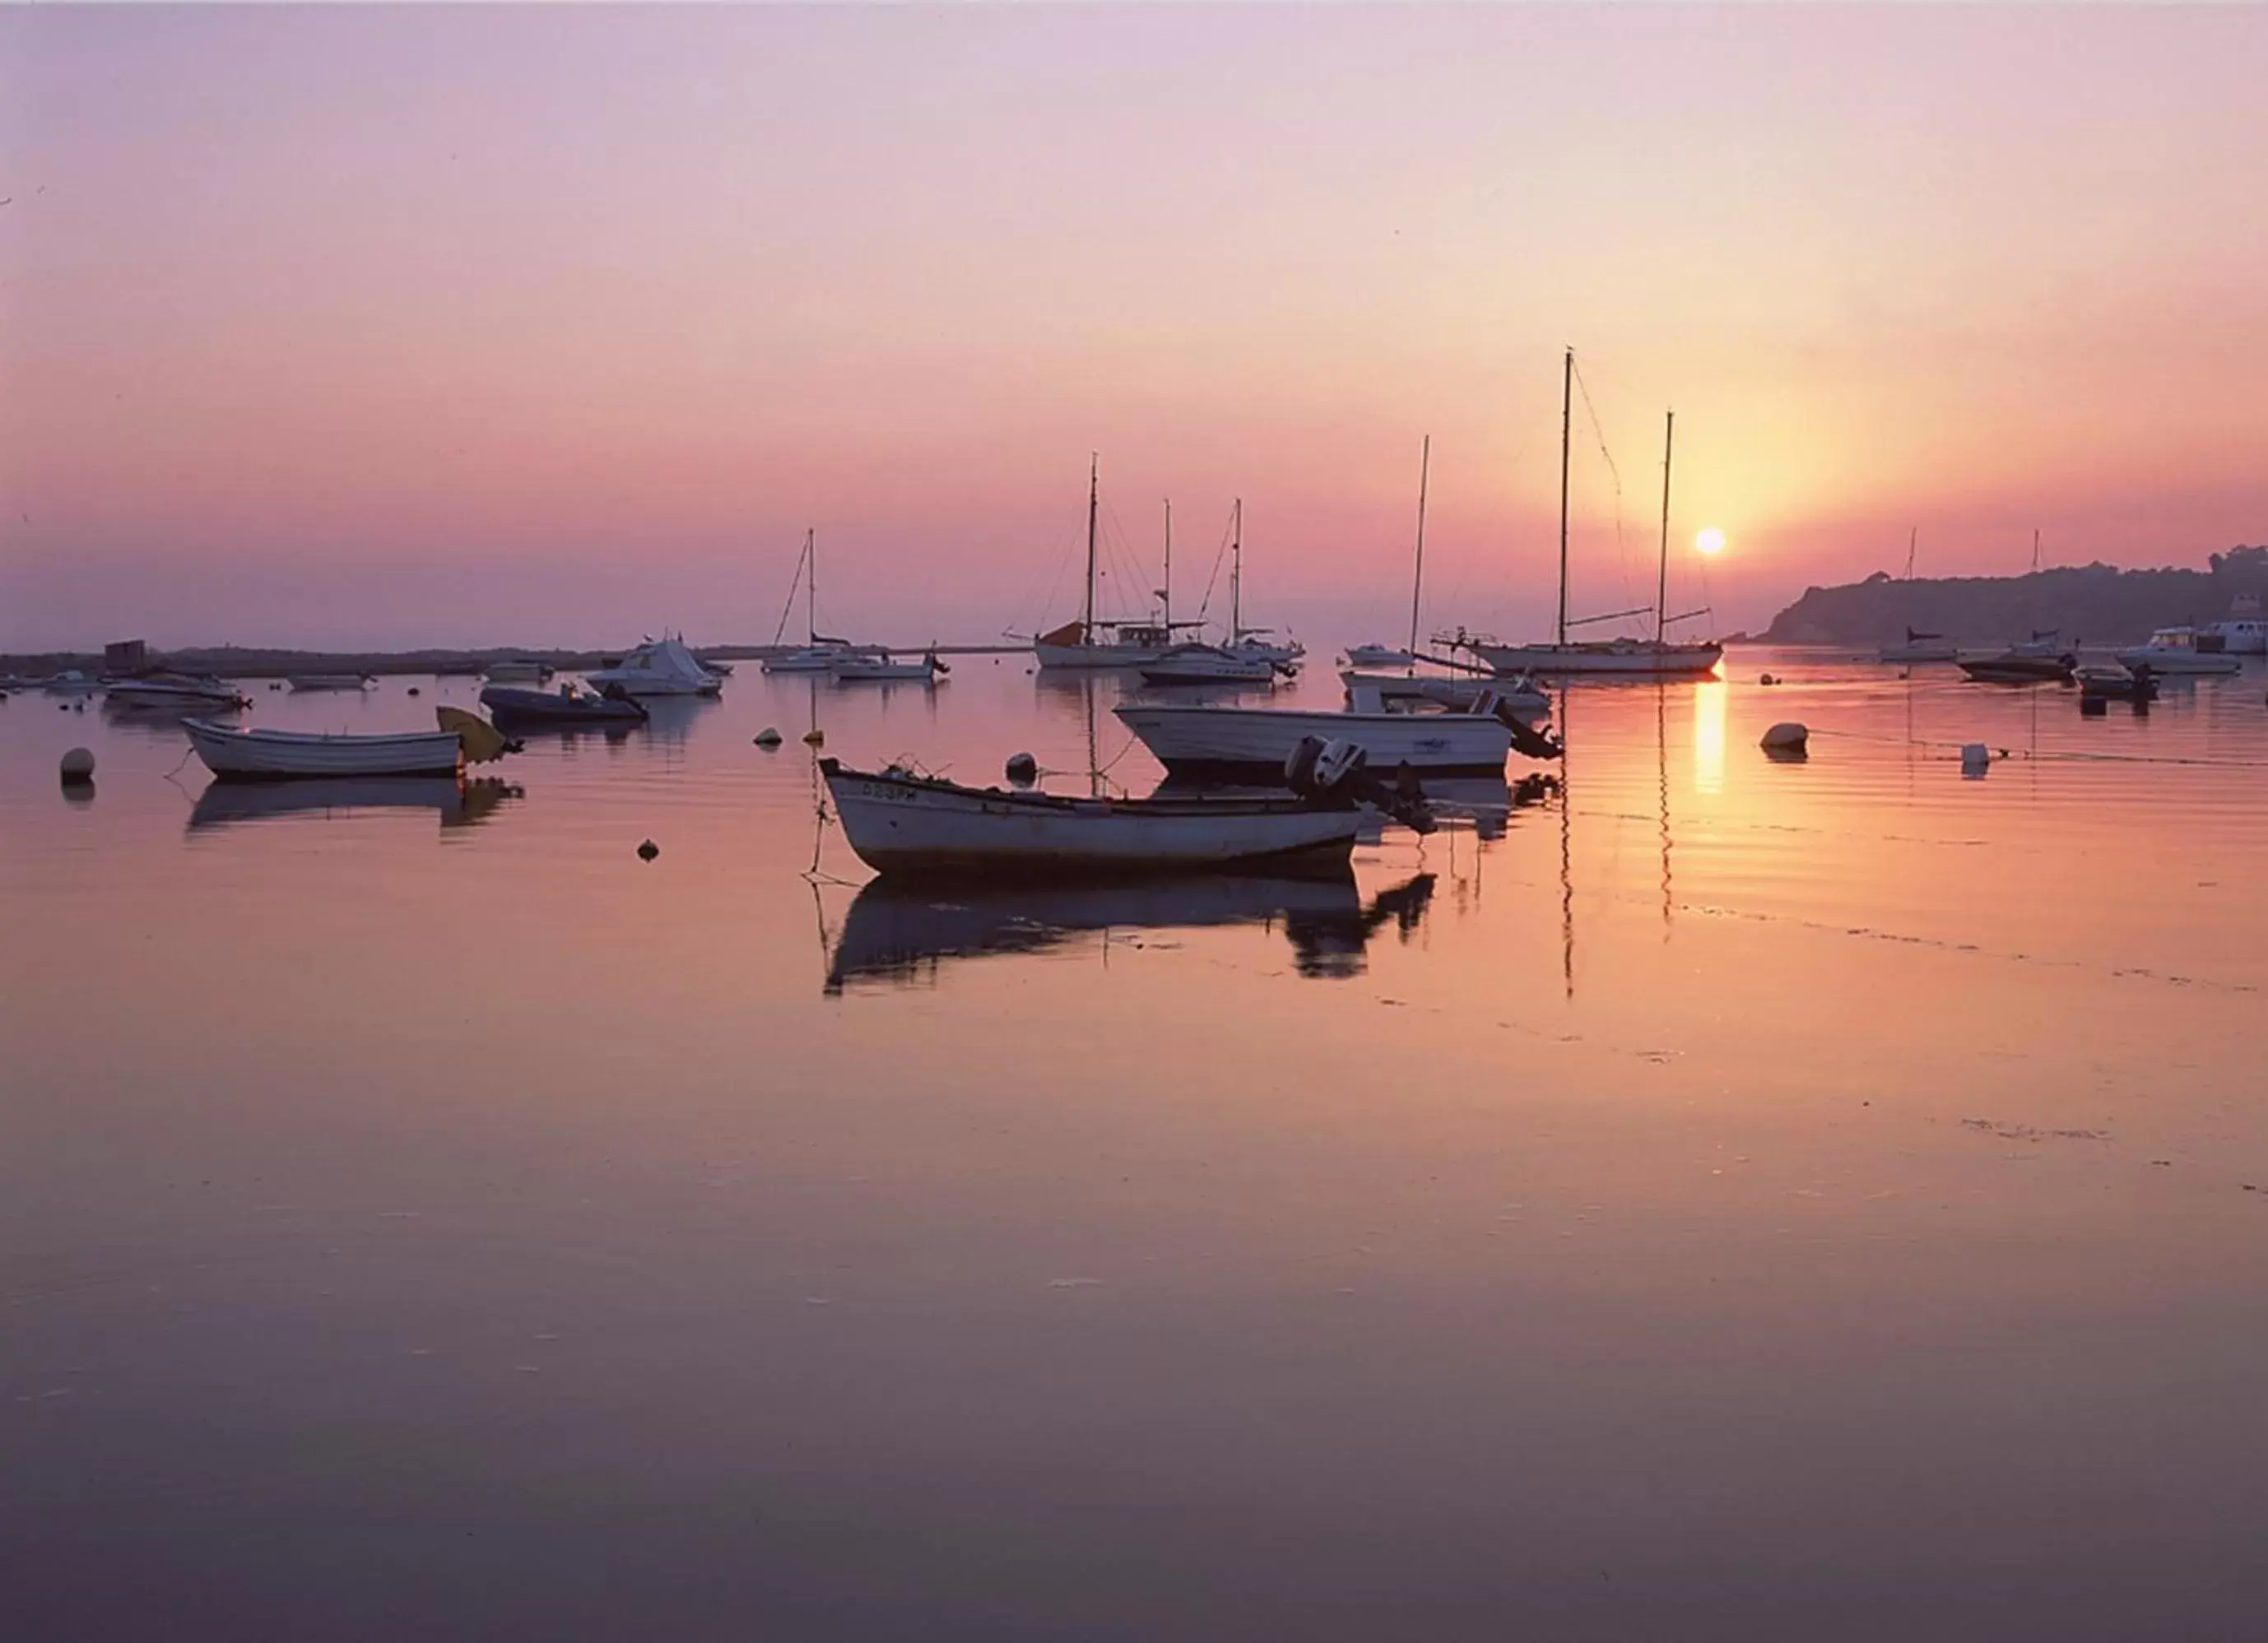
1229, 741
277, 755
901, 823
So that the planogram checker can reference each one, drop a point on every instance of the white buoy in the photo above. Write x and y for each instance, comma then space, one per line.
1787, 739
768, 738
1976, 759
77, 767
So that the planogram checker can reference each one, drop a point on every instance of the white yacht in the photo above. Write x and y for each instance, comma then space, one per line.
2178, 650
2243, 633
660, 667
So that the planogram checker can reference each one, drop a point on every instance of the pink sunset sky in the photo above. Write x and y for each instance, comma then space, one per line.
411, 325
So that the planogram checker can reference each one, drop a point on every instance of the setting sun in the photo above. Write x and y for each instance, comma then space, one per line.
1709, 541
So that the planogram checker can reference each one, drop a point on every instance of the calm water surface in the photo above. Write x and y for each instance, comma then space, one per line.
1733, 1199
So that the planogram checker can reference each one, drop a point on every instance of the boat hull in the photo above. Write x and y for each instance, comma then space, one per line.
904, 825
1097, 656
536, 707
2194, 664
287, 755
1458, 694
1201, 741
2020, 670
1611, 660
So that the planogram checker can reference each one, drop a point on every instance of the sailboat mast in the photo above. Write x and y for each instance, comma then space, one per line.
1566, 437
811, 584
1093, 496
1662, 575
1166, 592
1236, 574
1417, 563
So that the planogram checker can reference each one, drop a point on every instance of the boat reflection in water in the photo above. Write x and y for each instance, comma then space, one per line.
460, 803
903, 933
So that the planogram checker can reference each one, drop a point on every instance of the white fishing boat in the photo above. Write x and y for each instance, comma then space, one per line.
1230, 741
518, 670
2178, 650
1522, 695
658, 667
818, 652
1093, 642
887, 669
898, 822
331, 681
174, 691
1658, 658
278, 755
1209, 665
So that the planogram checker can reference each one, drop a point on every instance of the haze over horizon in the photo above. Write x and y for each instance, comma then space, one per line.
381, 328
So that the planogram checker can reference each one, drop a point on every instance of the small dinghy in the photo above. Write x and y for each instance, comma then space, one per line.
331, 681
284, 755
898, 822
567, 704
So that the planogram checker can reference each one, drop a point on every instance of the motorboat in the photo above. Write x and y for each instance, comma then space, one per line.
2243, 633
569, 704
1522, 694
174, 691
1378, 655
2181, 651
2020, 665
70, 682
518, 670
884, 668
898, 822
264, 755
1921, 647
1232, 741
658, 667
331, 681
1210, 664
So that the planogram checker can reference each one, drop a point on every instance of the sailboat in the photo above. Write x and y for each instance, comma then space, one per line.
1251, 644
1245, 658
1092, 643
819, 653
1919, 647
1659, 657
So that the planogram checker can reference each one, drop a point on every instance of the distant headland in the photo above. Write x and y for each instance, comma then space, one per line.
2084, 603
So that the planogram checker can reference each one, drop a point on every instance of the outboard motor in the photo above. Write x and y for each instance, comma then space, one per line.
1526, 738
1338, 772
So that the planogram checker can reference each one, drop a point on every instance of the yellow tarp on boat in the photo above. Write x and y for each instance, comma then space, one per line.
481, 740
